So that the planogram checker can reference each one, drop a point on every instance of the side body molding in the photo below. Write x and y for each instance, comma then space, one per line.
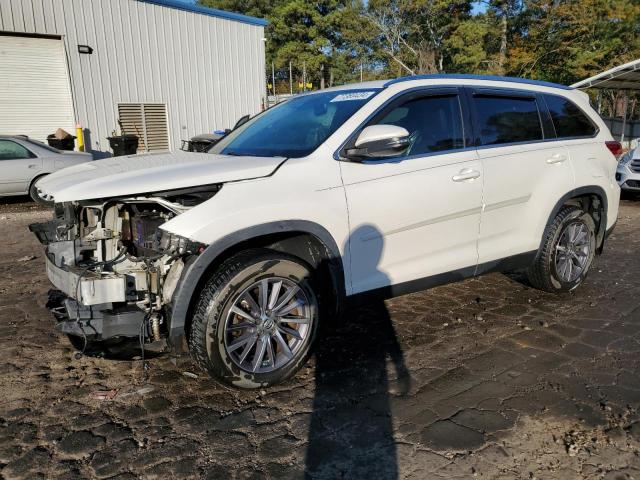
195, 269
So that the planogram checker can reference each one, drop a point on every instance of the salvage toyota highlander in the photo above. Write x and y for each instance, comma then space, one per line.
379, 188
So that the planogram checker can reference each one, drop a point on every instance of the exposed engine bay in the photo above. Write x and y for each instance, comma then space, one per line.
115, 269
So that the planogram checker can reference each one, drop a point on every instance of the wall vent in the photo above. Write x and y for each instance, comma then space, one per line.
149, 122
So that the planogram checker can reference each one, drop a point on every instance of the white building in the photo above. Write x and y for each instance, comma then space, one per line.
167, 70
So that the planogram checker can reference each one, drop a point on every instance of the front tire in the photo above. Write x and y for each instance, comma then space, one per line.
256, 320
35, 195
567, 251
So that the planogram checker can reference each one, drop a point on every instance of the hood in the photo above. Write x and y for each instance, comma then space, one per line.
147, 173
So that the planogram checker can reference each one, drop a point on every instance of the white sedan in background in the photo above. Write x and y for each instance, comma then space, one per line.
628, 174
24, 161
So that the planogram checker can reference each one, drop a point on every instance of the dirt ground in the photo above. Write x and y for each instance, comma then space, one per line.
482, 379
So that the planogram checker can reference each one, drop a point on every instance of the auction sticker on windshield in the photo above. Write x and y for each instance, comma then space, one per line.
345, 97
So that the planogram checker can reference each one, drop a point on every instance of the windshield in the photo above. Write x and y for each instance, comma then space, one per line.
294, 128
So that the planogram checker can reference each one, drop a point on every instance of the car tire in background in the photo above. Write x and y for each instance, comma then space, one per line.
567, 251
256, 319
35, 196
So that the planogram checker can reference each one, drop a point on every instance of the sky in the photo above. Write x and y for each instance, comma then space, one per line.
479, 7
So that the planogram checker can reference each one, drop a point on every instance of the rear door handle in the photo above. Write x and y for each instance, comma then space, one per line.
557, 158
466, 174
33, 165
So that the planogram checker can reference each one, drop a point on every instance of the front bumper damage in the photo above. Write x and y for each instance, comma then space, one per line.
90, 288
98, 321
114, 270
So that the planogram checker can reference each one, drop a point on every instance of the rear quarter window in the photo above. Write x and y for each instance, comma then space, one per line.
505, 119
568, 120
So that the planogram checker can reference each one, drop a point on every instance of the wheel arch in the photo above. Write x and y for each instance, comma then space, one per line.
592, 199
37, 177
32, 182
306, 240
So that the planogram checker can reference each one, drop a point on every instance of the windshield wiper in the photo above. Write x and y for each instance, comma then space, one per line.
237, 154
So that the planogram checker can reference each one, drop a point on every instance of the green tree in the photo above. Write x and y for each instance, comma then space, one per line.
414, 33
467, 46
565, 41
325, 36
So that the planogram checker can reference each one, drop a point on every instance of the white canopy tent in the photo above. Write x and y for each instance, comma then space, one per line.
624, 77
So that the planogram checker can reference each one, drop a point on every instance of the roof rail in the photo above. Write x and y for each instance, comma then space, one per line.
464, 76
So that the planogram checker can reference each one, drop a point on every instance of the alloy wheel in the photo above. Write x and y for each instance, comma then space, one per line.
267, 325
573, 251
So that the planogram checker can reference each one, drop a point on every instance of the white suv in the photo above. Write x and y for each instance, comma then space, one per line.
378, 188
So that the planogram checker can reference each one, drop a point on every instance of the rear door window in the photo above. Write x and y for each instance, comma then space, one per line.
505, 119
10, 150
568, 120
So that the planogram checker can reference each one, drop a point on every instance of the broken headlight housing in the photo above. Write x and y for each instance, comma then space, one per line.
143, 236
173, 244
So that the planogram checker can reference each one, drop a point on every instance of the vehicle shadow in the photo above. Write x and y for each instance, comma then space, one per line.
631, 196
120, 349
351, 430
16, 199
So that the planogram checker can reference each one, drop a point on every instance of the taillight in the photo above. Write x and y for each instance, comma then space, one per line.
614, 147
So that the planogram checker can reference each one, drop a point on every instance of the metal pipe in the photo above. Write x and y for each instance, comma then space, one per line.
624, 116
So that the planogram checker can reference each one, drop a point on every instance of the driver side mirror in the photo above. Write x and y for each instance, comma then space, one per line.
378, 142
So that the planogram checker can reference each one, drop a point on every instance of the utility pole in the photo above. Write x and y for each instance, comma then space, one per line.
273, 80
624, 116
304, 76
290, 79
361, 77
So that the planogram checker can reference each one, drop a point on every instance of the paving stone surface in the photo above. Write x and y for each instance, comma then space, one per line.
487, 378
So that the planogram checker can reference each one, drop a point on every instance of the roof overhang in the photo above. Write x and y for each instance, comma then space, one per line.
623, 77
211, 12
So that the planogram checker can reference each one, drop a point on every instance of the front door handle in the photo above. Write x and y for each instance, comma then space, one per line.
557, 158
466, 174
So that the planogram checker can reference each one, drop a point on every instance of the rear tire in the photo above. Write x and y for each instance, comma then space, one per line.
567, 251
256, 320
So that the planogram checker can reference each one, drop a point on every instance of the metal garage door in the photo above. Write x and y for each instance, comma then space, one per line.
35, 93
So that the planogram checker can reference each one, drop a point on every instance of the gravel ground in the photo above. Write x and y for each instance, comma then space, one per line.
486, 378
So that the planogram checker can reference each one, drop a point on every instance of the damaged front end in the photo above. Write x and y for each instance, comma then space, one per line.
113, 266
